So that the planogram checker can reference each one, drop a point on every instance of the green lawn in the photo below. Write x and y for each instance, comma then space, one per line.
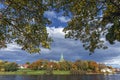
32, 72
61, 72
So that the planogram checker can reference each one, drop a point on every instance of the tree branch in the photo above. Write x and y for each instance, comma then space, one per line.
112, 1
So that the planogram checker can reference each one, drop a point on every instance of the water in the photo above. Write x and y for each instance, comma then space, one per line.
60, 77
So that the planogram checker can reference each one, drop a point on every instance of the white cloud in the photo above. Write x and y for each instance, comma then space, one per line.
50, 14
71, 50
115, 61
11, 47
45, 51
64, 19
56, 32
74, 48
53, 15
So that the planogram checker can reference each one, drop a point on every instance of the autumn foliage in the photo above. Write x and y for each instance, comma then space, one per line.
78, 65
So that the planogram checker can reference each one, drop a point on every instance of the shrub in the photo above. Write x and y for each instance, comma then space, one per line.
11, 67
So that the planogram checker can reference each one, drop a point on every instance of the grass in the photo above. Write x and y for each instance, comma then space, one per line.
61, 72
32, 72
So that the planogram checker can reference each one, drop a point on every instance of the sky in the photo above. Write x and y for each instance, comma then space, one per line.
71, 49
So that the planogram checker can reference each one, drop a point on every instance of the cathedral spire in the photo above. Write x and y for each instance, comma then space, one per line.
61, 58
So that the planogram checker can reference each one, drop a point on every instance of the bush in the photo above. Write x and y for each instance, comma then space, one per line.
11, 67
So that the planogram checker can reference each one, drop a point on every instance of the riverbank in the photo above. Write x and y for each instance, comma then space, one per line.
32, 72
41, 72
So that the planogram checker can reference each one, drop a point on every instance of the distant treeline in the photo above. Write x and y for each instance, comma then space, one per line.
77, 66
8, 66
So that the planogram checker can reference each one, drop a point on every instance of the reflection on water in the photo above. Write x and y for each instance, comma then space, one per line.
60, 77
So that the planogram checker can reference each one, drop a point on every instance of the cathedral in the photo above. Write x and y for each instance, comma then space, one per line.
60, 60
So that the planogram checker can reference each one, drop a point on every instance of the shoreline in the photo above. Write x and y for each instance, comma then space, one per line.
42, 72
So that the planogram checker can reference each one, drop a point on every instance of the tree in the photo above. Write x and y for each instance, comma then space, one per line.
91, 20
65, 65
85, 65
37, 65
93, 66
73, 67
1, 65
81, 65
11, 66
28, 63
23, 22
102, 66
52, 65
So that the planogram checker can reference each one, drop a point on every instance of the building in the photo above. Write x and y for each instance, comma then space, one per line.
60, 60
106, 70
24, 66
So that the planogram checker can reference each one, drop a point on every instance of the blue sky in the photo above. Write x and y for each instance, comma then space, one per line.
71, 49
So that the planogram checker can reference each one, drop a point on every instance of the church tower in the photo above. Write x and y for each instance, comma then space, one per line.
61, 58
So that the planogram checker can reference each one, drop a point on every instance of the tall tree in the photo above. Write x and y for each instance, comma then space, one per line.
91, 20
23, 21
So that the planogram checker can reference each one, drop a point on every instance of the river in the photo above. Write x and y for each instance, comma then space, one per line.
61, 77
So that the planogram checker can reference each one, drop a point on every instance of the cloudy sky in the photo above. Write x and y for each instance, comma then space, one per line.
71, 49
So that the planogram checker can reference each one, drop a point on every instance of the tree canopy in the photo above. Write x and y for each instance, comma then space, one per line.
91, 21
23, 21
